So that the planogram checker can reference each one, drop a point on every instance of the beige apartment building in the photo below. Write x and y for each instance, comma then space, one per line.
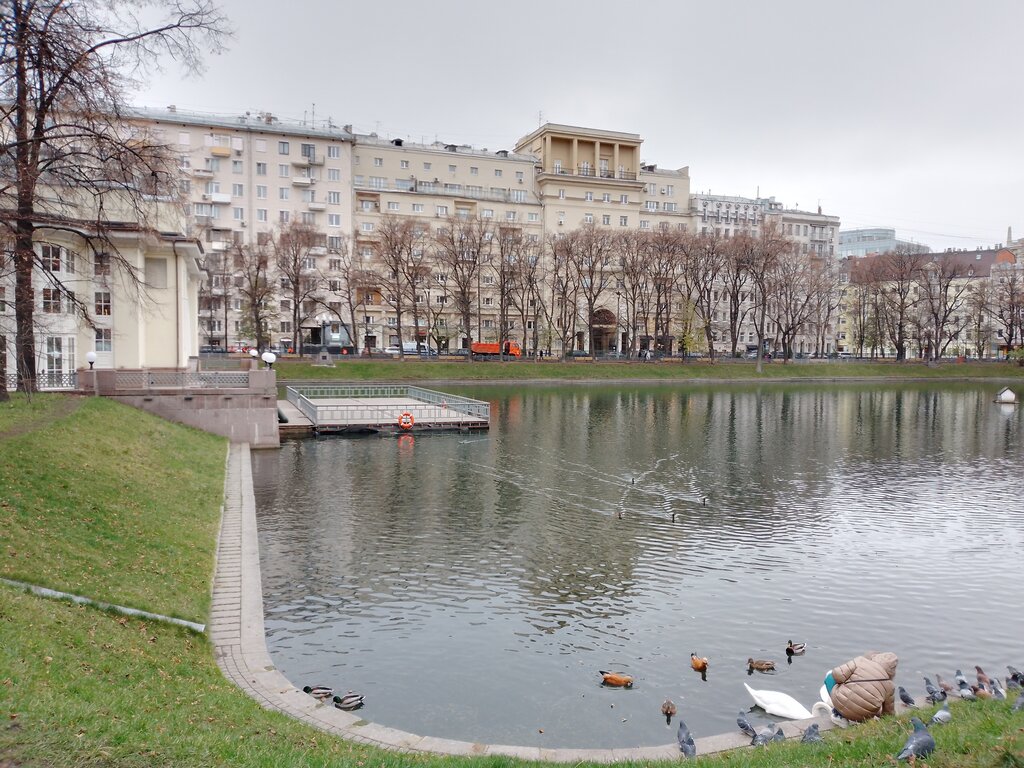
246, 176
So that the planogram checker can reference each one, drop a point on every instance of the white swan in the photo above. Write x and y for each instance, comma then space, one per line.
784, 705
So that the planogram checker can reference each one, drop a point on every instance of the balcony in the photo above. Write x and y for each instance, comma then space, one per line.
219, 245
202, 173
221, 198
302, 181
220, 151
317, 206
591, 173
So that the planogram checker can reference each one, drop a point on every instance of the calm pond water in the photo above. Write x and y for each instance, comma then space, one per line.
472, 585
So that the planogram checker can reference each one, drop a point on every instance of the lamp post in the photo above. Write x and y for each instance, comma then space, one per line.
90, 357
618, 322
269, 358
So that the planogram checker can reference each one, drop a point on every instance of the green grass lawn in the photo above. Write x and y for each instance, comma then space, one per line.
103, 500
358, 369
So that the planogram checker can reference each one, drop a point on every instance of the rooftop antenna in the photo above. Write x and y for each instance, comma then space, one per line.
313, 120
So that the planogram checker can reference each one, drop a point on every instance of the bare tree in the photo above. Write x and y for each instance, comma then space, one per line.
303, 285
256, 283
944, 283
735, 277
563, 309
71, 164
665, 248
978, 317
636, 269
526, 295
703, 263
794, 289
357, 282
897, 274
463, 245
1008, 303
593, 264
762, 261
510, 252
400, 241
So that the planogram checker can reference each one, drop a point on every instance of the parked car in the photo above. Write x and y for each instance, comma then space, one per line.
392, 351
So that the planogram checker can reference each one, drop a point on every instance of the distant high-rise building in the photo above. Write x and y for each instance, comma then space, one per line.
871, 240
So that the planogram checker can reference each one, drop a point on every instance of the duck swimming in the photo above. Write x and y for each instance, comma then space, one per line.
795, 649
616, 679
668, 709
698, 663
761, 665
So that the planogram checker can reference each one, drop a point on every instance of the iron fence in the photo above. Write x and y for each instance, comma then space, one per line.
48, 382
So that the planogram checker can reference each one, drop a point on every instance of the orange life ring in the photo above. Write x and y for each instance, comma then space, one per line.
405, 421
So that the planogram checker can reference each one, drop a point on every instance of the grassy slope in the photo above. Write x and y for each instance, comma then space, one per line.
137, 500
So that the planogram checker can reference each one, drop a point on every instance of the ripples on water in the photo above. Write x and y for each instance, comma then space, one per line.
473, 585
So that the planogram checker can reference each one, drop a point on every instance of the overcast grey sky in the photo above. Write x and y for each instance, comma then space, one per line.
903, 113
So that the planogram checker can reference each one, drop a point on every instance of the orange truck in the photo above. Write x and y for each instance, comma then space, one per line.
483, 349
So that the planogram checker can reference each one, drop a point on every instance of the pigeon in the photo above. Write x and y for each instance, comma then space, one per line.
935, 695
766, 735
745, 725
919, 744
1012, 684
942, 715
959, 677
686, 745
983, 679
981, 692
966, 692
947, 687
905, 697
668, 709
997, 689
811, 735
1015, 674
1018, 705
320, 692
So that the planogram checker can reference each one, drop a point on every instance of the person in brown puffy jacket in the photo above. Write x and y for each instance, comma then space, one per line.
863, 687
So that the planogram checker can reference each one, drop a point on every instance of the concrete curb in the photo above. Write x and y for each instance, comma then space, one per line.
237, 633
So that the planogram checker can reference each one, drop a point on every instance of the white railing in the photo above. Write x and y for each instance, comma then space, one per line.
303, 397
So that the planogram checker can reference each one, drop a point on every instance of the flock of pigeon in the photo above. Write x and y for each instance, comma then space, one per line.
350, 701
920, 743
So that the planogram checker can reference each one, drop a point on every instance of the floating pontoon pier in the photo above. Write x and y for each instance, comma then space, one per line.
391, 408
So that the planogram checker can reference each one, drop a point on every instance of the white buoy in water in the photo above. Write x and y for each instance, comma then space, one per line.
1006, 395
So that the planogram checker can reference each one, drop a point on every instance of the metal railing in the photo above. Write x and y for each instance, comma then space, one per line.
181, 380
46, 382
303, 397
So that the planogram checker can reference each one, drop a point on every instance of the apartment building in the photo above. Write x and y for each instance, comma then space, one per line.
242, 178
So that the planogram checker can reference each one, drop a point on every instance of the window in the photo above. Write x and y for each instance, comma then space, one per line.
366, 226
333, 152
518, 195
308, 217
104, 341
393, 206
184, 139
487, 213
645, 224
334, 219
497, 173
623, 221
261, 191
334, 242
452, 169
236, 166
403, 163
261, 169
334, 174
510, 215
378, 182
308, 151
237, 190
156, 273
101, 267
102, 303
624, 199
261, 145
474, 171
588, 197
238, 214
442, 210
283, 148
378, 162
426, 166
284, 170
417, 207
283, 216
670, 189
533, 217
212, 187
51, 301
561, 194
606, 197
519, 176
261, 214
282, 193
588, 218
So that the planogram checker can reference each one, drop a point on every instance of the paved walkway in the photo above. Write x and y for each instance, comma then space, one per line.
236, 630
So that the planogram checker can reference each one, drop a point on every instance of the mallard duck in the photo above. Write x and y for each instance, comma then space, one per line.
795, 649
668, 709
616, 679
699, 664
349, 701
761, 665
319, 691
